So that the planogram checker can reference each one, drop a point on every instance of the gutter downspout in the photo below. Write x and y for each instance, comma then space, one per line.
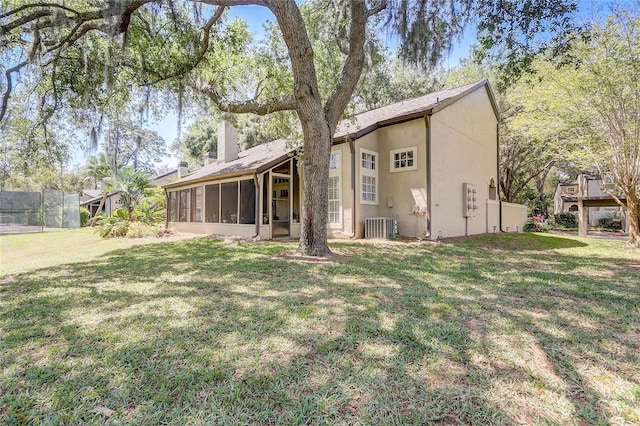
166, 213
498, 175
257, 208
427, 120
352, 148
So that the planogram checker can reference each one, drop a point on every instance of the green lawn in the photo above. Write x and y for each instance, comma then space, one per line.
501, 329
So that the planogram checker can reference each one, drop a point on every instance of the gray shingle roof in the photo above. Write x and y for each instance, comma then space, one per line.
365, 122
92, 193
248, 161
264, 156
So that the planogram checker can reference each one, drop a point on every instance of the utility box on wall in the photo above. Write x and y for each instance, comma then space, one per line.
469, 200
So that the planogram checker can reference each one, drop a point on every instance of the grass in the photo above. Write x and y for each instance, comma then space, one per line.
27, 252
500, 329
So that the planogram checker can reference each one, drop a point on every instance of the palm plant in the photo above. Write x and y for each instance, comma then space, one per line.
98, 169
131, 184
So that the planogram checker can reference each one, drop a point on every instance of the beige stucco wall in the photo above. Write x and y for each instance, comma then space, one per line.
214, 228
402, 189
405, 188
464, 149
514, 216
569, 189
594, 188
493, 216
112, 203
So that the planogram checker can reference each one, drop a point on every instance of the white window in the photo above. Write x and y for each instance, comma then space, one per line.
368, 188
334, 160
368, 160
334, 200
369, 177
334, 187
404, 159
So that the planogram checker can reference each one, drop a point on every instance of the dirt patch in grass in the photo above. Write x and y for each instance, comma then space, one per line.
633, 267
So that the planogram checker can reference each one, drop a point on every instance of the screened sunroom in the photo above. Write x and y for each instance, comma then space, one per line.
254, 193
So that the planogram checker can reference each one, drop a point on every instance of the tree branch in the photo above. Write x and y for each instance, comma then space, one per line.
253, 106
197, 60
4, 29
382, 5
230, 3
119, 9
352, 67
7, 93
36, 5
9, 89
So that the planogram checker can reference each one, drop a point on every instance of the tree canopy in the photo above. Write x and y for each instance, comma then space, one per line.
81, 55
594, 99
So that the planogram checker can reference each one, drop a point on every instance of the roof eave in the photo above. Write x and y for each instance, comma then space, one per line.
422, 113
254, 170
276, 161
384, 123
208, 178
482, 83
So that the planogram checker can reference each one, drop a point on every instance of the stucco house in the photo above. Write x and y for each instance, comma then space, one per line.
424, 167
111, 202
586, 193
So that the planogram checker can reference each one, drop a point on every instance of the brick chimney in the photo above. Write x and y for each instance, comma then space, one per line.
227, 143
210, 158
183, 169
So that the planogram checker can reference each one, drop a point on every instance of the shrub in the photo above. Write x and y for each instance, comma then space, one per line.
85, 215
566, 220
610, 222
140, 230
534, 226
149, 212
115, 226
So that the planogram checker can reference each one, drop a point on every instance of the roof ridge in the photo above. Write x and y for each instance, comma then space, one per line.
455, 88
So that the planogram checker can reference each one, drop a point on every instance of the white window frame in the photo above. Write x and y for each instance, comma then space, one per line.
367, 172
337, 155
392, 162
336, 202
336, 173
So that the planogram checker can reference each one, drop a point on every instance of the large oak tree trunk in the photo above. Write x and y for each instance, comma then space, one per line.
317, 148
318, 121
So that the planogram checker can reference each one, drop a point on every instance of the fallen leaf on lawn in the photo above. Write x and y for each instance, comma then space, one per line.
101, 409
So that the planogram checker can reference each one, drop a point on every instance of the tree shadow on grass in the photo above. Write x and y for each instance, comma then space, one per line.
205, 332
521, 242
578, 324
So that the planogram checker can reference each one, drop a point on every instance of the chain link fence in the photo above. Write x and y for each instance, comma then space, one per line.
29, 211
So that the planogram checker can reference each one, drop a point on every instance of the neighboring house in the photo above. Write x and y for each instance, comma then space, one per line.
589, 192
415, 165
91, 198
88, 194
170, 176
111, 203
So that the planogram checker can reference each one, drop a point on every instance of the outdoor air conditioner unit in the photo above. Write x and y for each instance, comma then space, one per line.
380, 227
